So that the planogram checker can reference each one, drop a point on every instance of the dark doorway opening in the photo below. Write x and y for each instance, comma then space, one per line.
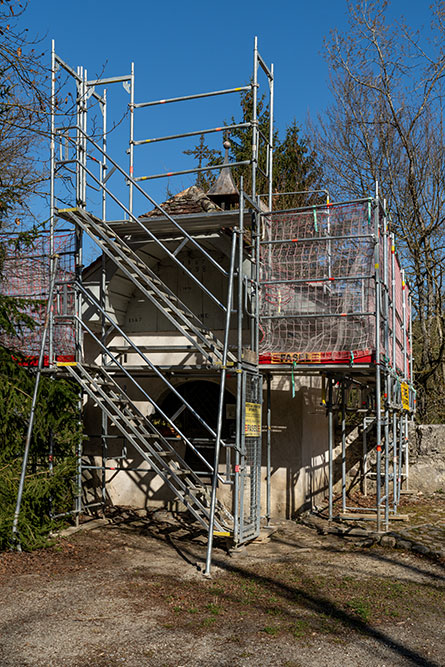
203, 397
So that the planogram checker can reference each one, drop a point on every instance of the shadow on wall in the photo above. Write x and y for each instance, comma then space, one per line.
298, 451
354, 455
141, 488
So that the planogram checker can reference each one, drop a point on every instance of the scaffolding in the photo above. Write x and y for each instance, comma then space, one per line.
86, 183
312, 291
334, 299
26, 275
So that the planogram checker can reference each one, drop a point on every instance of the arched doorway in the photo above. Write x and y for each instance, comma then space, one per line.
203, 397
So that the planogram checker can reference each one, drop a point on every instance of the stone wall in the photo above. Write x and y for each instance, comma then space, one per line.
427, 458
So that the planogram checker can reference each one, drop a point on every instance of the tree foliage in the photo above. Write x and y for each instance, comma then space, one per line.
23, 122
46, 491
56, 427
385, 124
23, 114
296, 167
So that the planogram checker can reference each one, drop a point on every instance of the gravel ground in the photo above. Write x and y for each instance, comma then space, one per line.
131, 592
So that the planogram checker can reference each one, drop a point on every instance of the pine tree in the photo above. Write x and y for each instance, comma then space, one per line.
297, 169
45, 491
296, 166
22, 120
56, 426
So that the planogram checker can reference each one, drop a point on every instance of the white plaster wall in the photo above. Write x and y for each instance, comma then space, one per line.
299, 424
298, 454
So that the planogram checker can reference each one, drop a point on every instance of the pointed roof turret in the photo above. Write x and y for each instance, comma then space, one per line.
224, 191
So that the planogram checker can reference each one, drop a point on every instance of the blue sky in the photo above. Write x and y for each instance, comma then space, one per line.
187, 46
182, 48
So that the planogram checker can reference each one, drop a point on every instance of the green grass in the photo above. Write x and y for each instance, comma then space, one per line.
360, 608
282, 599
300, 629
214, 609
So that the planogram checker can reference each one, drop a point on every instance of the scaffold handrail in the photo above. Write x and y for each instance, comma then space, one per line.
152, 201
198, 170
184, 98
195, 133
127, 373
74, 74
317, 315
310, 207
264, 67
325, 237
305, 281
154, 238
106, 81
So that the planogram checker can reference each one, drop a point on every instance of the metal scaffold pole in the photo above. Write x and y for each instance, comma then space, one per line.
49, 305
405, 330
378, 390
131, 146
330, 445
386, 361
271, 137
254, 118
52, 192
215, 475
343, 446
268, 448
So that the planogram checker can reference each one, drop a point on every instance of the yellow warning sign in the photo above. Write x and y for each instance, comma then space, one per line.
404, 388
252, 427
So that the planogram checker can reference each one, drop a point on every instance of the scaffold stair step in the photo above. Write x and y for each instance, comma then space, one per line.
187, 322
181, 479
181, 472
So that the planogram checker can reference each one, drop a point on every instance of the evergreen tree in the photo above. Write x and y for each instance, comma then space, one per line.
46, 491
22, 123
296, 167
56, 419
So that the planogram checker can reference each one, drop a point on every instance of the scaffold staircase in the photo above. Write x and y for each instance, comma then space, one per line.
146, 280
81, 162
157, 450
102, 387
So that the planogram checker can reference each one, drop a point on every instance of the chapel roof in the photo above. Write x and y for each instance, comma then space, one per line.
189, 201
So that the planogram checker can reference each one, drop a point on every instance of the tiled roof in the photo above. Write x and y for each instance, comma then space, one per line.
191, 200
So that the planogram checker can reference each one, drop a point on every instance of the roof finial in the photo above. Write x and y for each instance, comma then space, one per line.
224, 191
226, 145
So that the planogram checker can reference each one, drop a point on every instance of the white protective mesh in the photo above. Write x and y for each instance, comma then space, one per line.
26, 274
326, 310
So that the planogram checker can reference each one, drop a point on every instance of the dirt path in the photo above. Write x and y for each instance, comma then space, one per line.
131, 593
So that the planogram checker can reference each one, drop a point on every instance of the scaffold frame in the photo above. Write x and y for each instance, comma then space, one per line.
304, 279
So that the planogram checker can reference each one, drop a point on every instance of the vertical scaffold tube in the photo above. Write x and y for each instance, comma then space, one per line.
343, 446
269, 434
52, 206
271, 128
395, 467
239, 374
131, 147
405, 376
102, 291
220, 408
49, 305
365, 457
330, 446
378, 391
254, 117
386, 361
